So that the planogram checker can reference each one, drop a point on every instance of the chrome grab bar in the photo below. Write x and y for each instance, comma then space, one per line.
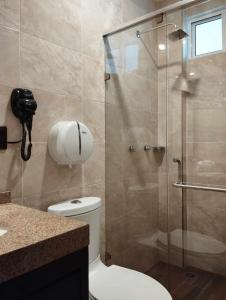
199, 187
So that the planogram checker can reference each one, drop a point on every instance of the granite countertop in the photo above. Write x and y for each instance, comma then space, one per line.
34, 239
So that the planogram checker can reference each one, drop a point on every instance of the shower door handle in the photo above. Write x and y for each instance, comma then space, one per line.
199, 187
178, 161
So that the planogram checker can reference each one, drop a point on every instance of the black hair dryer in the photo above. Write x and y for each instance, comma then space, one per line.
24, 106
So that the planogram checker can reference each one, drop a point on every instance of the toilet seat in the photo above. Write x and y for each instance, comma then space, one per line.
117, 283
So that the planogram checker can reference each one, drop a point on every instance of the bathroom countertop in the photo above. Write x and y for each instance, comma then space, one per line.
34, 239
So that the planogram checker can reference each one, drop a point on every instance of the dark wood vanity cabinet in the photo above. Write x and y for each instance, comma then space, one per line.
64, 279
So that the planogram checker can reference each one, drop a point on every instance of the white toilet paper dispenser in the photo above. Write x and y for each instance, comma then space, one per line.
70, 143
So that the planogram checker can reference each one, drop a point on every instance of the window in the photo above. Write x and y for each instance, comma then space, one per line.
206, 33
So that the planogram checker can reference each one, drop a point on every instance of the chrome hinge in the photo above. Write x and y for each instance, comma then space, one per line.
107, 76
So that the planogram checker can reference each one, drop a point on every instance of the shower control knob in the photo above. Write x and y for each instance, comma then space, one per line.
132, 148
147, 148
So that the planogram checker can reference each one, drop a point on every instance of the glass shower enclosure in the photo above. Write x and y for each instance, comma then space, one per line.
166, 149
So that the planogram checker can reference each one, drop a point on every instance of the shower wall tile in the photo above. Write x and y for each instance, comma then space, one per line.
100, 16
53, 108
42, 201
93, 80
140, 165
162, 3
114, 166
6, 116
114, 137
57, 22
134, 9
94, 118
206, 162
94, 168
139, 127
55, 48
116, 201
206, 6
115, 92
10, 172
9, 57
92, 43
50, 67
141, 223
206, 124
131, 96
113, 13
202, 204
116, 239
10, 13
49, 176
204, 208
115, 193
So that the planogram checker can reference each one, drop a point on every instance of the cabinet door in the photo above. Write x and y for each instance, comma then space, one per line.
66, 279
68, 288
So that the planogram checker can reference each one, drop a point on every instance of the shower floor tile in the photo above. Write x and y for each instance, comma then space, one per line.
190, 283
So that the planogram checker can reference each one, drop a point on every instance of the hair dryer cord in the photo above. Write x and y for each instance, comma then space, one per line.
26, 127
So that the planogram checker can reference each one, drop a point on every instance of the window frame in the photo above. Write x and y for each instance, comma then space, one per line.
191, 23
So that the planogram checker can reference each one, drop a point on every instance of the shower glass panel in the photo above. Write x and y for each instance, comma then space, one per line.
136, 205
165, 132
197, 137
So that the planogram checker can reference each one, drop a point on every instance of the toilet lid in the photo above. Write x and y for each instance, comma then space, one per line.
124, 284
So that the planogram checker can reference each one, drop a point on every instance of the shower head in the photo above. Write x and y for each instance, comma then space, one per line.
178, 34
186, 82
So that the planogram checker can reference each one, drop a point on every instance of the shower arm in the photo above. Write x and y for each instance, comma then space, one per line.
139, 33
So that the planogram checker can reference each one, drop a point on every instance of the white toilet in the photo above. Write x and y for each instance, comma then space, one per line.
114, 282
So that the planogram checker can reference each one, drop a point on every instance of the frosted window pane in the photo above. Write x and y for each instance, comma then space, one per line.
208, 37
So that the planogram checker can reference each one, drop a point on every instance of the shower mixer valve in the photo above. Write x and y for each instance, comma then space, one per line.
147, 148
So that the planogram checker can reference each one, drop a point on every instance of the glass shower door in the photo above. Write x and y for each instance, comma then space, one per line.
136, 206
197, 201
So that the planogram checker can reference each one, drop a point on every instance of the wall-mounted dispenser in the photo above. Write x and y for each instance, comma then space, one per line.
70, 143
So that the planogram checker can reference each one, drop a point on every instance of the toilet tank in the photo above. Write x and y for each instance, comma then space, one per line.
86, 209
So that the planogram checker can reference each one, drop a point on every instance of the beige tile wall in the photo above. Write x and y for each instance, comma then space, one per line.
55, 49
42, 49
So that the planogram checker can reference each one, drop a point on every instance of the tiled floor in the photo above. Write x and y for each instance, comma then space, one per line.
190, 283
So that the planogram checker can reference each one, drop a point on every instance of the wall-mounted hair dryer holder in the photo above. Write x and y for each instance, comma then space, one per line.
23, 107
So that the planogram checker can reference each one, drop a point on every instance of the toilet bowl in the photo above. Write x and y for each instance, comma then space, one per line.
114, 282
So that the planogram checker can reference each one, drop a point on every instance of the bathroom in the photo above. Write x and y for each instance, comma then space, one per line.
144, 80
